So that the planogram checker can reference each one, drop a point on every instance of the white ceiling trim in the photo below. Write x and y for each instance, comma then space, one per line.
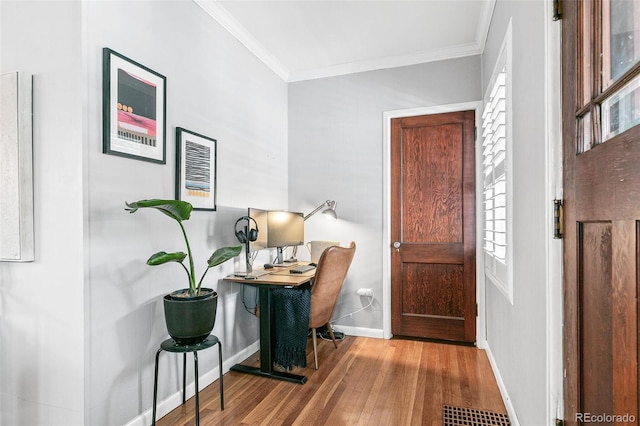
486, 14
387, 62
230, 24
236, 29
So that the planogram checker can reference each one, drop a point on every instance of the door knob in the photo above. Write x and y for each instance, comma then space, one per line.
396, 245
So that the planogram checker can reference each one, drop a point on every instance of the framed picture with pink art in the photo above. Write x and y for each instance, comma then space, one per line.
133, 109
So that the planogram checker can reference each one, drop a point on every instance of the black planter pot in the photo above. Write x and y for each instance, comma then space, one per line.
190, 319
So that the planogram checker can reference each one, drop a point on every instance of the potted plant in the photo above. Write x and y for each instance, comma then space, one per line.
189, 312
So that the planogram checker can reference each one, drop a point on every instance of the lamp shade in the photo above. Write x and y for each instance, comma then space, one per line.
329, 207
330, 212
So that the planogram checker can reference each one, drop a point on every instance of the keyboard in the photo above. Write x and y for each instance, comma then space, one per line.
301, 269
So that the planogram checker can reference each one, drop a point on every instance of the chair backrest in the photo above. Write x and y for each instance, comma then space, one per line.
330, 274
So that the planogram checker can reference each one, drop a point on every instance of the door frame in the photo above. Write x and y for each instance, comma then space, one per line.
386, 213
554, 189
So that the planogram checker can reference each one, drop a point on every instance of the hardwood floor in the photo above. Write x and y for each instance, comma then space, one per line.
364, 381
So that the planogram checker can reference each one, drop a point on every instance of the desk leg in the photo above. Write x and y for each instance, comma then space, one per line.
267, 337
266, 331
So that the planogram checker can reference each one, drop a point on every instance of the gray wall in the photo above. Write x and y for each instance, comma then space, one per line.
42, 309
216, 88
517, 334
336, 152
78, 347
82, 347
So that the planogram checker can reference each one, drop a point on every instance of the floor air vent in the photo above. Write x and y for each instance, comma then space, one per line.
459, 416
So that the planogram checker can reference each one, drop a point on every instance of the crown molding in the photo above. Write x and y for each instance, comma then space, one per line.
230, 24
387, 62
486, 14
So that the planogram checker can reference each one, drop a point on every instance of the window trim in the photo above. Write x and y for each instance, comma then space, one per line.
502, 280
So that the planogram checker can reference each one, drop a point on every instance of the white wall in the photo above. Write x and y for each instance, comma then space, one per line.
90, 360
42, 302
518, 336
336, 152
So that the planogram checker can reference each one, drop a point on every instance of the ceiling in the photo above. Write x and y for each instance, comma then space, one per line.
307, 39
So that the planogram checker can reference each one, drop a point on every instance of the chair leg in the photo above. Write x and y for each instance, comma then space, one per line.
221, 385
315, 346
332, 336
155, 389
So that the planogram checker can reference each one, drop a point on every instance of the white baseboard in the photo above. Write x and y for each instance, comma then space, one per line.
174, 400
503, 389
359, 331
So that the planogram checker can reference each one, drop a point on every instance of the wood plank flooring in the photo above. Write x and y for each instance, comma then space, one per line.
364, 382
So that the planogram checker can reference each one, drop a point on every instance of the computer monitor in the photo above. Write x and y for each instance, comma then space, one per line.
284, 229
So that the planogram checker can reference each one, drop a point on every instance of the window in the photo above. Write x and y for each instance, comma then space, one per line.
609, 78
496, 166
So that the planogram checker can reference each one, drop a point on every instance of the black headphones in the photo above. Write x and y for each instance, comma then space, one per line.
252, 234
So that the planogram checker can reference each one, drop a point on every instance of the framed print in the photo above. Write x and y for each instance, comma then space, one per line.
195, 169
133, 109
17, 238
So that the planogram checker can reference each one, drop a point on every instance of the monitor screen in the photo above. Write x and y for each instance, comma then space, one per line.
260, 216
285, 229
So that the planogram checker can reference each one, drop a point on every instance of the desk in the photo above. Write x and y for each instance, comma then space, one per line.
265, 282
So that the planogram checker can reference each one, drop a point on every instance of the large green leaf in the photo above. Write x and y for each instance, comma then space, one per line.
164, 257
223, 254
175, 209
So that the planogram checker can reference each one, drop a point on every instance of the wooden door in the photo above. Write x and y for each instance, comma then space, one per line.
602, 227
433, 226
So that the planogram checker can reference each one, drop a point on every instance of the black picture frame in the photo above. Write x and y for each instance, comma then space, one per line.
196, 180
134, 107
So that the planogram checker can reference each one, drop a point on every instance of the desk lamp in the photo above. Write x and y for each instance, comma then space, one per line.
330, 210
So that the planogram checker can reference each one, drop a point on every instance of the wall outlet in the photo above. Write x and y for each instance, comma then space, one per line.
365, 292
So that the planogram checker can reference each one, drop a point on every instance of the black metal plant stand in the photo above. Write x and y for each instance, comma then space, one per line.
170, 345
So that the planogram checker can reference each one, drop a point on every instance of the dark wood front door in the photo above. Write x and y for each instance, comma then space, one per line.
433, 226
601, 174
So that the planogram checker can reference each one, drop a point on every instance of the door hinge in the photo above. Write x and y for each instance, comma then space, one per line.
476, 309
558, 219
475, 134
557, 10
